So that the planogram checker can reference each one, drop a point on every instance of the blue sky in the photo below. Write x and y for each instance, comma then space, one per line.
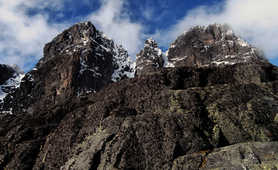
26, 25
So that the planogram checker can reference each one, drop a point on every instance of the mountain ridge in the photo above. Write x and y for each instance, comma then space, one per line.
194, 115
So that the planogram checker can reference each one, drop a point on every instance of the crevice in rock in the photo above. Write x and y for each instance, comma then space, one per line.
222, 140
178, 151
204, 159
6, 160
119, 158
95, 162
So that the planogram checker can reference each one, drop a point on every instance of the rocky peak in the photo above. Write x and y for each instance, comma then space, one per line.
174, 118
149, 59
10, 78
6, 73
212, 45
79, 61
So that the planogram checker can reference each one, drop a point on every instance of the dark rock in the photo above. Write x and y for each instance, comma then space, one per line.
79, 61
10, 78
149, 59
6, 73
212, 45
174, 118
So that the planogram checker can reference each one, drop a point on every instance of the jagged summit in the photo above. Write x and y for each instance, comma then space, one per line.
212, 45
79, 61
10, 78
68, 115
149, 59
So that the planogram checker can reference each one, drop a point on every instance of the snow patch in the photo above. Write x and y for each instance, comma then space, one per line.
223, 63
242, 43
166, 61
10, 85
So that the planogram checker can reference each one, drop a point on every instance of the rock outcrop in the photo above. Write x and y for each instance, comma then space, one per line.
212, 45
220, 116
79, 61
149, 59
10, 78
254, 155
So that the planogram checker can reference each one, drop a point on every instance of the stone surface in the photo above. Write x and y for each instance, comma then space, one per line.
253, 155
212, 45
149, 59
6, 73
77, 62
10, 78
213, 117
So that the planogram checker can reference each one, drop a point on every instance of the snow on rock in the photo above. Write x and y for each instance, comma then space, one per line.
122, 64
150, 58
166, 61
10, 85
212, 45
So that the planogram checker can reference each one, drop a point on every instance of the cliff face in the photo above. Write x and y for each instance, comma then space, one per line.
212, 45
10, 79
79, 61
194, 115
149, 59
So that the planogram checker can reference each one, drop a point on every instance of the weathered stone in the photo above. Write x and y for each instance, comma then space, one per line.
212, 45
253, 155
174, 118
149, 59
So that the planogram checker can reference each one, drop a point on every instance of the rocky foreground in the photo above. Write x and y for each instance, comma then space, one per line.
210, 103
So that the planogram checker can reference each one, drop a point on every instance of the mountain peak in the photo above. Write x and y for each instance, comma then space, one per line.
150, 58
151, 42
212, 45
79, 61
68, 114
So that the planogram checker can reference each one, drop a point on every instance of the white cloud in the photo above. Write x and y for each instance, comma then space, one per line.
23, 36
113, 19
254, 20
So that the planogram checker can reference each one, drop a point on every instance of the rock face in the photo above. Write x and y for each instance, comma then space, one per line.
212, 45
255, 156
79, 61
149, 59
6, 73
10, 78
213, 117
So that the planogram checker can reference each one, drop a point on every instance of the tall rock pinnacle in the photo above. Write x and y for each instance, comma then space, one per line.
149, 59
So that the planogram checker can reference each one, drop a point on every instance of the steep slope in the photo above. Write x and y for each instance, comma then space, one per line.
212, 45
79, 61
10, 78
207, 117
149, 59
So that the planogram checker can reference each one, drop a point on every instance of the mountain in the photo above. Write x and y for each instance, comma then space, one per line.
10, 79
212, 45
78, 110
149, 59
79, 61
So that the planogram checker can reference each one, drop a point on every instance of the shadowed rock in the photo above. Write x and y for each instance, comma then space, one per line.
219, 116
